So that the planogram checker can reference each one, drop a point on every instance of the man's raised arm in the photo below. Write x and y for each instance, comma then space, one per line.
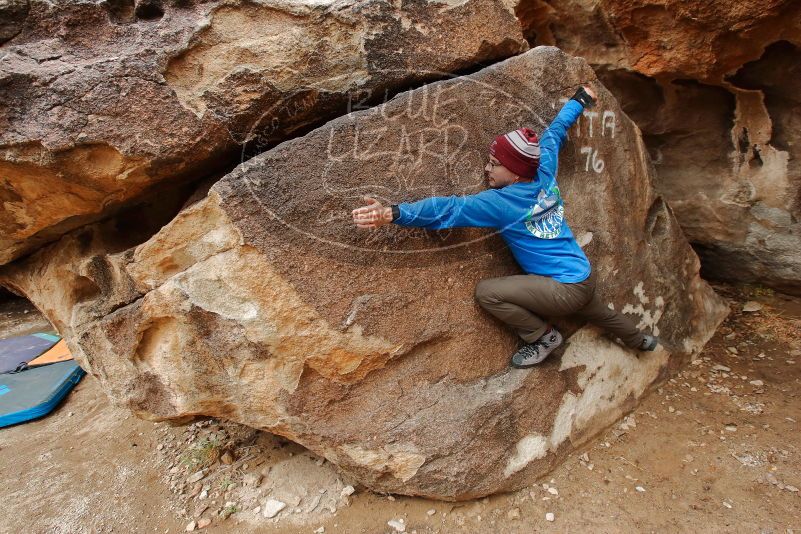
554, 136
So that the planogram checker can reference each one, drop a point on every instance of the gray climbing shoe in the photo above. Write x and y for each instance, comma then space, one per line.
530, 354
649, 342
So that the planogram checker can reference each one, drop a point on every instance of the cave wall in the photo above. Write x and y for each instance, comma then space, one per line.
713, 87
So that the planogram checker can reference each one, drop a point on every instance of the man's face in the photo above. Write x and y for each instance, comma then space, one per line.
497, 175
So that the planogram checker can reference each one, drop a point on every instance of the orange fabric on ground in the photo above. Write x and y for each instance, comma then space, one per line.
57, 353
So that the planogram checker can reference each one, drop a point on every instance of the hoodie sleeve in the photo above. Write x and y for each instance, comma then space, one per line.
553, 138
482, 210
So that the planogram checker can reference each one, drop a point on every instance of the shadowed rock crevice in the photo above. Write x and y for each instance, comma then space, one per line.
149, 9
777, 75
686, 126
12, 17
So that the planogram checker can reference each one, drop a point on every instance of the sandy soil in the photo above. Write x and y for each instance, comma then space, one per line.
715, 449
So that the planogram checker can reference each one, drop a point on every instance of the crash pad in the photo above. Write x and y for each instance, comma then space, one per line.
17, 351
36, 392
58, 353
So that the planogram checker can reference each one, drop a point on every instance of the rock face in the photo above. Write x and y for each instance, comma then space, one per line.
12, 17
94, 120
262, 303
104, 101
713, 87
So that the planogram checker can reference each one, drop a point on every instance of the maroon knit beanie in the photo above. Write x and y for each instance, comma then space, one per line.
518, 151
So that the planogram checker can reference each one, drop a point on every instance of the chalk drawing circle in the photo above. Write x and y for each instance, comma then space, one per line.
442, 77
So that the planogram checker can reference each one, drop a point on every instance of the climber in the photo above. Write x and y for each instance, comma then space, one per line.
524, 203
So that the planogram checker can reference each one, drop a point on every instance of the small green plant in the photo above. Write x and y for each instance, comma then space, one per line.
201, 454
228, 510
226, 483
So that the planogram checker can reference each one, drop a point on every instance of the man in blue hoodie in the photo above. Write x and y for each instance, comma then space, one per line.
524, 204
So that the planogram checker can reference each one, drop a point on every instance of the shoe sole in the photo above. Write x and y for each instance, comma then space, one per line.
556, 352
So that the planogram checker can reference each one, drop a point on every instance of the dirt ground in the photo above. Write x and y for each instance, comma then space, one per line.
715, 449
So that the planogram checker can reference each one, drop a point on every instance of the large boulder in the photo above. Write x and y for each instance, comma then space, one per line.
714, 88
262, 303
103, 102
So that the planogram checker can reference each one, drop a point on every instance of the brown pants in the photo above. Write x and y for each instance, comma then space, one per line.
519, 300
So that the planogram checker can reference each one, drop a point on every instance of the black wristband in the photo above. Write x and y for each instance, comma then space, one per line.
583, 98
395, 212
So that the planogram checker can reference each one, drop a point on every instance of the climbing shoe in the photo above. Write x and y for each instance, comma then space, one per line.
648, 342
530, 354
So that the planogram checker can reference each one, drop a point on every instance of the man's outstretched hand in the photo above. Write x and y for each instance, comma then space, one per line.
373, 215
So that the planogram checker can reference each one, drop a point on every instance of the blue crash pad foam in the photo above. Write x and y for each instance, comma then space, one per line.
36, 392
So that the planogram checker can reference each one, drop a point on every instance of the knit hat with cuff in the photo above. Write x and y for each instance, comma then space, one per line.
518, 151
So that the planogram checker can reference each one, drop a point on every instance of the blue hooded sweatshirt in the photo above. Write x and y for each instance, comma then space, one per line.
529, 216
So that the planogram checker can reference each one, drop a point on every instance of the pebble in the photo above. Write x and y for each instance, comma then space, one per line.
196, 477
553, 491
251, 479
191, 526
727, 505
227, 458
514, 513
550, 517
203, 522
272, 507
397, 524
431, 512
718, 367
640, 489
757, 383
347, 491
320, 530
752, 306
314, 503
628, 422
